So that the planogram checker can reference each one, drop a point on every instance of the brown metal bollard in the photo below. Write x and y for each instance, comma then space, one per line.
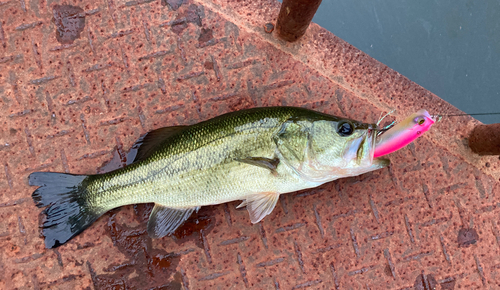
294, 18
485, 139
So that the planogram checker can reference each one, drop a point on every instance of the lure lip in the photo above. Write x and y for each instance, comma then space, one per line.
436, 118
429, 116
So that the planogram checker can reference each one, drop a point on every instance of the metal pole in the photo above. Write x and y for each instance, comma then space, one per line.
294, 18
485, 139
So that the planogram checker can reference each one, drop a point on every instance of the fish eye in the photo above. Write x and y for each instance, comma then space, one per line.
420, 120
345, 129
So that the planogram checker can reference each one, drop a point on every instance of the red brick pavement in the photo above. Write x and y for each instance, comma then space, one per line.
429, 220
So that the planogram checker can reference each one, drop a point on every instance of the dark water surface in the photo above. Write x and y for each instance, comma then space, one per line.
450, 47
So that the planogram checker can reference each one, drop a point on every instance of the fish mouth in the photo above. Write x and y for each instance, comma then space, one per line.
366, 147
372, 135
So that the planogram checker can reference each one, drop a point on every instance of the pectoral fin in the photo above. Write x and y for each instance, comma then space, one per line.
165, 220
260, 205
267, 163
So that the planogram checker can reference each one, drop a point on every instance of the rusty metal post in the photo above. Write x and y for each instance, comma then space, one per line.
294, 18
485, 139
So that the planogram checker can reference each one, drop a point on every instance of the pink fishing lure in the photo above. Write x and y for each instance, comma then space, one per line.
403, 133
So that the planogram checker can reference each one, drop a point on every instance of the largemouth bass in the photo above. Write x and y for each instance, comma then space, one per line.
251, 155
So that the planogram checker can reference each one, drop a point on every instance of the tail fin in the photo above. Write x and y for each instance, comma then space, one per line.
68, 212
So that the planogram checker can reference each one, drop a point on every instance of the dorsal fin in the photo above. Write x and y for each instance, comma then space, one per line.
151, 141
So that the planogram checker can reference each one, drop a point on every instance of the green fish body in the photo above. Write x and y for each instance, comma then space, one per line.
251, 155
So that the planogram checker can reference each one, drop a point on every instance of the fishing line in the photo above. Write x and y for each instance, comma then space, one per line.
474, 114
438, 117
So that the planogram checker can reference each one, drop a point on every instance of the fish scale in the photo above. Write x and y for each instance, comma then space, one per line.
185, 177
251, 155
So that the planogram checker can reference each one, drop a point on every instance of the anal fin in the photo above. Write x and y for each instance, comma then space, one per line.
259, 205
165, 220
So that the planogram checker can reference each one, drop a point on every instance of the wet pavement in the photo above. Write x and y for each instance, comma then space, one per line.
80, 82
